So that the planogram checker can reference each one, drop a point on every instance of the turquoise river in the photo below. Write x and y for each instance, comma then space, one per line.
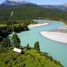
55, 49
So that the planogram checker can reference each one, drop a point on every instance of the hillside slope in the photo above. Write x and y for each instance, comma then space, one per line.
30, 58
30, 11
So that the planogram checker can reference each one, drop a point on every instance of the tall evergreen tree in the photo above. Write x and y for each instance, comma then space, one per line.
15, 40
28, 47
8, 41
36, 46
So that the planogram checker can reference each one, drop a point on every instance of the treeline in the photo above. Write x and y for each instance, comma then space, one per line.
7, 27
29, 57
31, 12
14, 41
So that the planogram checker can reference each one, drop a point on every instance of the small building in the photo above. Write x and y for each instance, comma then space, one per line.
17, 50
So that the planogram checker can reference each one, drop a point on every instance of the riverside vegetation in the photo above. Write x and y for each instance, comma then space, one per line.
29, 57
6, 27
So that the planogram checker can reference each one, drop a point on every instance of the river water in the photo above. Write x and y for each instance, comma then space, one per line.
55, 49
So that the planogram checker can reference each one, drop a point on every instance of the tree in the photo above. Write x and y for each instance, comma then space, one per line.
8, 41
15, 40
5, 42
36, 46
28, 47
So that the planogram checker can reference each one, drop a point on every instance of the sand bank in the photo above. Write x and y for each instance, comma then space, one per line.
63, 27
56, 36
36, 25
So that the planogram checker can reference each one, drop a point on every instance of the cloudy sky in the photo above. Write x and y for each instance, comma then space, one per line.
43, 1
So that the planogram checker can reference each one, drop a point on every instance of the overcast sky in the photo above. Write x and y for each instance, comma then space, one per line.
43, 1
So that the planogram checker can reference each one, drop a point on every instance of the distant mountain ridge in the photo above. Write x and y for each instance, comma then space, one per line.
27, 10
58, 7
65, 4
15, 3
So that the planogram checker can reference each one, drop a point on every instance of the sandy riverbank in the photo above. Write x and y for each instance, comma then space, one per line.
36, 25
63, 27
56, 36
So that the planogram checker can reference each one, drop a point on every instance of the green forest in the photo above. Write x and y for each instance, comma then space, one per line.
29, 57
31, 12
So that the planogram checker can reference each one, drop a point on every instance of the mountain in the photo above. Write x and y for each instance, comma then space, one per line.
58, 7
19, 3
28, 10
8, 3
14, 3
65, 4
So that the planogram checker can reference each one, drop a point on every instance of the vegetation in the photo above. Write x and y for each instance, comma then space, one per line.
7, 27
36, 46
65, 22
29, 57
28, 47
5, 42
15, 40
31, 12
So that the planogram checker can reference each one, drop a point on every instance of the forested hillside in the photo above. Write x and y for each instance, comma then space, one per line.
29, 57
30, 11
